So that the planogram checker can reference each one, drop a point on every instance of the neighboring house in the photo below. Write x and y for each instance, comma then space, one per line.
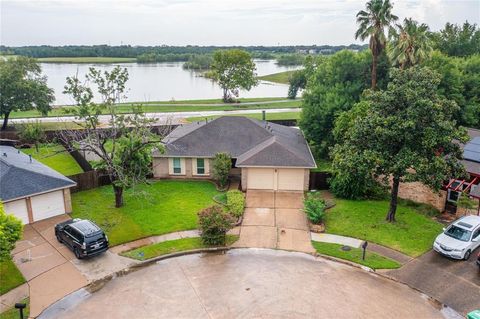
264, 155
446, 199
29, 189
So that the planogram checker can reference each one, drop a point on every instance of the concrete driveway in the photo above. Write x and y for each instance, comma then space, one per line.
275, 220
51, 269
248, 283
454, 283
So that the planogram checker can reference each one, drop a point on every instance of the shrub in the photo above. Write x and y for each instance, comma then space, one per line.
10, 231
314, 207
32, 133
221, 167
214, 223
235, 203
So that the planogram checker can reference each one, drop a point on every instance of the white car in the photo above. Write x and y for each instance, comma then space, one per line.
460, 238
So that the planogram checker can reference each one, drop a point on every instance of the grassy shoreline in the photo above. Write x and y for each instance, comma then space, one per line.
177, 106
281, 77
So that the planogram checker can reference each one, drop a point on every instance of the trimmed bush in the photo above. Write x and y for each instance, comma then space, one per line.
221, 168
235, 203
214, 223
314, 207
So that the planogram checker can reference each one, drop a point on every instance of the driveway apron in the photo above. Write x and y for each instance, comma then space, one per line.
275, 220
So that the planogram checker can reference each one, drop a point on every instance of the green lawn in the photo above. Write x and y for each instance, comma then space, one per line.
258, 116
171, 246
372, 260
86, 60
281, 77
13, 313
55, 156
162, 207
413, 233
10, 276
178, 106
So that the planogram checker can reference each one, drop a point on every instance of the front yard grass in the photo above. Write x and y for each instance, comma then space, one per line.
158, 208
412, 234
10, 276
13, 313
372, 260
171, 246
56, 157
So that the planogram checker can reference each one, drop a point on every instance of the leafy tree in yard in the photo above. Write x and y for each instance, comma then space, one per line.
32, 133
458, 40
22, 88
471, 91
297, 81
221, 168
214, 223
10, 231
233, 70
410, 44
372, 24
125, 147
405, 132
334, 86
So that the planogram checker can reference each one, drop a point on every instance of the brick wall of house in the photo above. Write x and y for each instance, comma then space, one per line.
420, 193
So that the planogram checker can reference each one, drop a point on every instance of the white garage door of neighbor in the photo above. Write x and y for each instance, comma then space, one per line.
18, 208
47, 205
275, 179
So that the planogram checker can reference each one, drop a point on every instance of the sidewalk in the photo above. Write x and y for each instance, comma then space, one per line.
356, 243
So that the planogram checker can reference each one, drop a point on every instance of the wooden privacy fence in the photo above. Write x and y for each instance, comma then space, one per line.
319, 180
89, 180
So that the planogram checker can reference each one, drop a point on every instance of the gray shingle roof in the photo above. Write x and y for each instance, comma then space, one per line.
252, 142
20, 177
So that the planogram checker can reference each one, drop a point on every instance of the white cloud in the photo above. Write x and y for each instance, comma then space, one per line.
206, 22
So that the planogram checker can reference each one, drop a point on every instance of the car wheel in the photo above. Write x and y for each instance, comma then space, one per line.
59, 239
77, 253
467, 255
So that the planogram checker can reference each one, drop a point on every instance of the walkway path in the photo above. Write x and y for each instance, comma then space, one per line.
275, 220
161, 117
356, 243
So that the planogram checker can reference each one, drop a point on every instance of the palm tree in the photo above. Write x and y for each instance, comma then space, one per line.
372, 23
411, 44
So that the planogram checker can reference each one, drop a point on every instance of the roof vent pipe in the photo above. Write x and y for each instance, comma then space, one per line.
5, 154
30, 158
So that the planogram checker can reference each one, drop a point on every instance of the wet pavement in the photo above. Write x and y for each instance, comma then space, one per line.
275, 220
247, 283
455, 283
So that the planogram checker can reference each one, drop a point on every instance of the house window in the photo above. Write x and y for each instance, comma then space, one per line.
200, 166
453, 196
177, 166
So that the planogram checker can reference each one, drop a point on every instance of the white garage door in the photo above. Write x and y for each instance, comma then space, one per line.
18, 208
290, 179
260, 178
47, 205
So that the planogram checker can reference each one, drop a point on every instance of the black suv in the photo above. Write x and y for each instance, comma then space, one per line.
82, 236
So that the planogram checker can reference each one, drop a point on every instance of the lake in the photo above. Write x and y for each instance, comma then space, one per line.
163, 81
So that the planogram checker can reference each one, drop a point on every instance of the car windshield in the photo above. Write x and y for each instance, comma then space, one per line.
458, 233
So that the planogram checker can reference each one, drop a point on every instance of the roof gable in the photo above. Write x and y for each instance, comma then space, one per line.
21, 177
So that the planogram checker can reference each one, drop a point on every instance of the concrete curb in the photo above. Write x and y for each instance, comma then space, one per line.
17, 294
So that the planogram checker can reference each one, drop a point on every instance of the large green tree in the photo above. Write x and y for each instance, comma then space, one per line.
410, 44
233, 70
404, 133
458, 40
334, 85
126, 145
22, 87
372, 22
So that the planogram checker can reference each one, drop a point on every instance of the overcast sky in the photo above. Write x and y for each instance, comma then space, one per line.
206, 22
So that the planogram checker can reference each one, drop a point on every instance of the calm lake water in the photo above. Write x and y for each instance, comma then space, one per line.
163, 81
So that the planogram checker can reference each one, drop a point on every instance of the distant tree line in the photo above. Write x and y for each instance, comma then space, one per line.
128, 51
